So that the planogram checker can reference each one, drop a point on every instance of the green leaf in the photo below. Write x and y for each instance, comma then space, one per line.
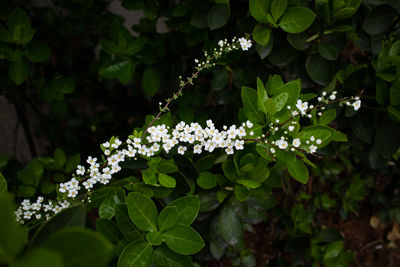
107, 208
136, 254
135, 46
395, 93
394, 113
73, 241
270, 106
150, 81
229, 170
320, 70
37, 51
18, 18
3, 185
183, 240
297, 19
23, 34
122, 70
154, 238
166, 180
32, 174
73, 216
59, 157
249, 183
298, 170
262, 96
259, 10
188, 207
72, 162
345, 13
327, 51
280, 101
167, 218
18, 71
218, 16
319, 132
206, 180
142, 211
109, 229
167, 258
299, 40
5, 35
261, 34
327, 117
278, 7
13, 236
125, 225
379, 19
40, 258
230, 226
109, 46
333, 250
249, 98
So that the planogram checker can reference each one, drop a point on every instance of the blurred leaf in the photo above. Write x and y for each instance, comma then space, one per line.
40, 258
320, 70
3, 186
206, 180
13, 236
37, 51
121, 70
218, 16
298, 41
379, 19
150, 81
230, 226
18, 18
18, 71
297, 19
259, 10
109, 229
395, 93
327, 51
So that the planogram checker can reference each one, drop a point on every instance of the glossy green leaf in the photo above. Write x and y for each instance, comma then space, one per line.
297, 19
136, 254
71, 242
154, 238
259, 10
218, 16
298, 170
345, 13
262, 96
249, 98
125, 225
37, 51
167, 258
168, 218
261, 34
183, 240
18, 71
150, 81
206, 180
166, 180
333, 250
280, 101
278, 7
249, 183
142, 211
327, 117
188, 208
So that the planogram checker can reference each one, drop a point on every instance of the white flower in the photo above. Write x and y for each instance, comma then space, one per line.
80, 170
181, 150
313, 149
91, 160
245, 44
302, 106
197, 149
332, 97
249, 124
312, 138
221, 43
291, 128
282, 144
107, 152
106, 144
296, 142
272, 150
318, 141
356, 105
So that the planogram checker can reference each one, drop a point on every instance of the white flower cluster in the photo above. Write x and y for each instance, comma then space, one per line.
283, 144
245, 43
37, 210
160, 137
